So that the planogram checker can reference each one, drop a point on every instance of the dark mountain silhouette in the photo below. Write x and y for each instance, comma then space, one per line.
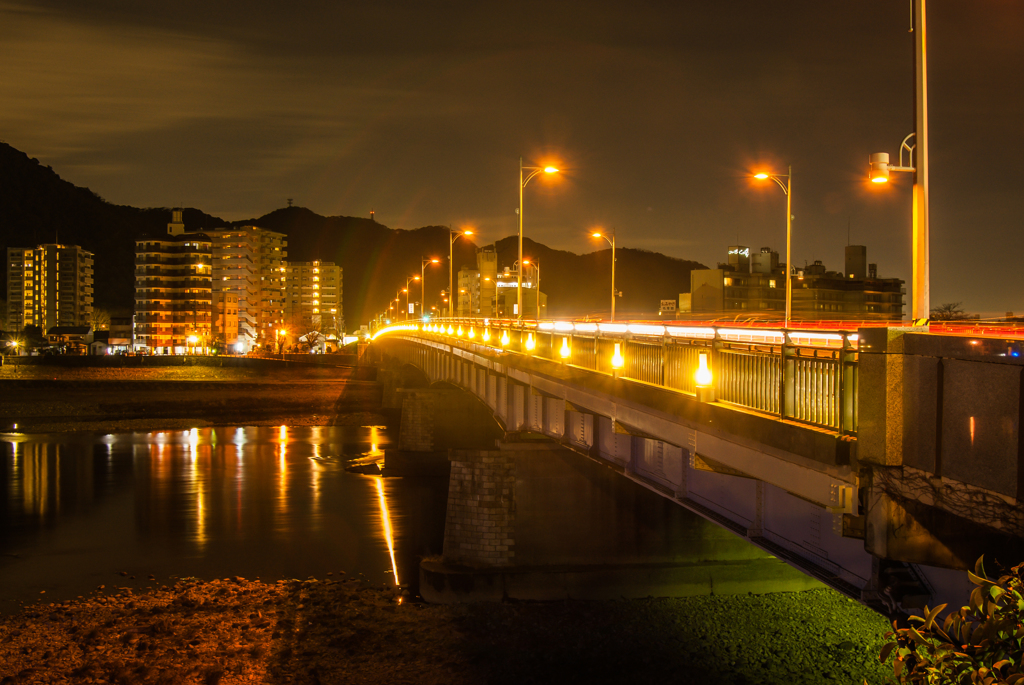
377, 261
37, 206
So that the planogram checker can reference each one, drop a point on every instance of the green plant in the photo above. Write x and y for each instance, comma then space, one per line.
982, 644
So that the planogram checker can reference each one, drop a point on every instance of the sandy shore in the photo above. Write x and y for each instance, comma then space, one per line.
340, 630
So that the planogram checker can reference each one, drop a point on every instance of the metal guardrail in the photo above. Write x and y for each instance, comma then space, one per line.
799, 375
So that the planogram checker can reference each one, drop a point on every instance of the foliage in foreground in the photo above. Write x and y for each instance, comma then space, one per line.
982, 644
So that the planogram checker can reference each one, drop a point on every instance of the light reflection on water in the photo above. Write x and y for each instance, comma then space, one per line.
272, 502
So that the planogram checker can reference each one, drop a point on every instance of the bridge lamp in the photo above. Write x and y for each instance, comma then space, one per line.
534, 170
704, 380
486, 335
459, 332
617, 360
565, 351
450, 329
530, 343
787, 188
472, 333
504, 338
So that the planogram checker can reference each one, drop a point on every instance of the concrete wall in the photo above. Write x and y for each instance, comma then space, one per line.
949, 406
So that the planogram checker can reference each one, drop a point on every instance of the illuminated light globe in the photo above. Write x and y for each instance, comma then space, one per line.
472, 333
450, 329
703, 375
504, 338
565, 351
459, 332
617, 360
530, 343
486, 335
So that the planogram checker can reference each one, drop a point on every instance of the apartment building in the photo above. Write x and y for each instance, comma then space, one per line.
173, 294
49, 285
248, 262
313, 298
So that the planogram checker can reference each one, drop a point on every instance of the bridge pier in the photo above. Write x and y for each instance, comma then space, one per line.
533, 520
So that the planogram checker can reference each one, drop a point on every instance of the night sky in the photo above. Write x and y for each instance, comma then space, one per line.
657, 111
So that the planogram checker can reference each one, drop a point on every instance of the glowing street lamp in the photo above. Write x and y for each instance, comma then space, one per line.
405, 290
565, 352
611, 241
452, 237
423, 283
917, 157
787, 188
536, 266
534, 170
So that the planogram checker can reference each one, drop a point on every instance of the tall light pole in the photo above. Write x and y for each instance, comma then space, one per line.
536, 266
452, 237
534, 170
787, 188
405, 290
879, 168
612, 243
423, 283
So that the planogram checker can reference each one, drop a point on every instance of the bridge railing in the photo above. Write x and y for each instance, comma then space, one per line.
799, 375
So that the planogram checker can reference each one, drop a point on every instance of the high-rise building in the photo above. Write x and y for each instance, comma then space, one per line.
485, 292
313, 298
49, 285
173, 293
248, 261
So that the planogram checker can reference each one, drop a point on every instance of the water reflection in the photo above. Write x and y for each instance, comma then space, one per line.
206, 502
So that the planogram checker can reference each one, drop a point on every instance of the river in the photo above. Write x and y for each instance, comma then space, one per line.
82, 510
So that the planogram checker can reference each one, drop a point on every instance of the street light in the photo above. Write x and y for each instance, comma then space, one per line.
534, 170
879, 168
408, 280
612, 243
452, 237
536, 265
787, 188
423, 283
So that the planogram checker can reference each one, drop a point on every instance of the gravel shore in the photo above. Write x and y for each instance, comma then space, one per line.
340, 630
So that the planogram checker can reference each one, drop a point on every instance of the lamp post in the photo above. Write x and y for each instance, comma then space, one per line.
534, 170
423, 283
405, 290
535, 265
612, 243
879, 168
452, 237
787, 188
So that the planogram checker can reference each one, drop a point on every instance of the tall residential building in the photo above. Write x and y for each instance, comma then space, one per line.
49, 285
173, 293
477, 288
313, 298
248, 261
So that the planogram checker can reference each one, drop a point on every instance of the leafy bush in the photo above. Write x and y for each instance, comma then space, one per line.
982, 644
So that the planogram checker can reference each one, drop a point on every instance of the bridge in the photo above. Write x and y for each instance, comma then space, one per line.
881, 461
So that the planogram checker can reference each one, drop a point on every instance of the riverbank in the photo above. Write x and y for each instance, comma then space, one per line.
340, 630
46, 399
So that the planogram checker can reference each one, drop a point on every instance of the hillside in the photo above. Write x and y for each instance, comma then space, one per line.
37, 206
